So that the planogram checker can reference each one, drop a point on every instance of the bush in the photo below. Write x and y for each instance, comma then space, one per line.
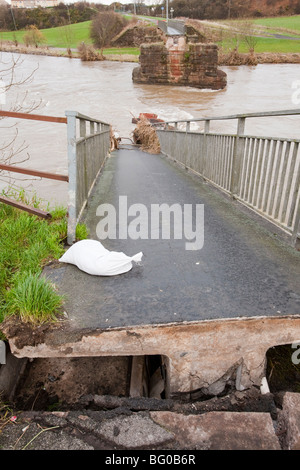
34, 37
105, 26
87, 52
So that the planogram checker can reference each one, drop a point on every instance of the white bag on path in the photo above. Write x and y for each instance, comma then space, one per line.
91, 257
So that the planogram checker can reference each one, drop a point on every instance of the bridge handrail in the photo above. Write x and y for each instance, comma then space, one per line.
87, 152
78, 115
261, 172
289, 112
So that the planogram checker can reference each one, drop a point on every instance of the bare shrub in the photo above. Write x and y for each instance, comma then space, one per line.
33, 36
88, 53
105, 26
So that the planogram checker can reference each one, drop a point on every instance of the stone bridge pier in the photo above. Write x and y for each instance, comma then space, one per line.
178, 62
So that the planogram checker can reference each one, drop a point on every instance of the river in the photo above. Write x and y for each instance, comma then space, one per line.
104, 90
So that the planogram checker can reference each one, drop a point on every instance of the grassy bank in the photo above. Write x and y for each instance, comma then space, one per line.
286, 23
269, 35
264, 45
70, 36
27, 244
62, 36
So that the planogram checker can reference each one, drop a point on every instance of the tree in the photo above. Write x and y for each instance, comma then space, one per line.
33, 36
105, 26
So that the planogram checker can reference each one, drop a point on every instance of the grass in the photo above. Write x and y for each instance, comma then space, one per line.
68, 36
33, 299
122, 50
270, 45
61, 36
74, 34
27, 244
291, 23
288, 25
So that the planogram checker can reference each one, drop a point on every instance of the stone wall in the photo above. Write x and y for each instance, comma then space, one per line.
134, 36
180, 63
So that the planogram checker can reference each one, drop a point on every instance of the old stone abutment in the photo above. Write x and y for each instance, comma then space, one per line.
180, 62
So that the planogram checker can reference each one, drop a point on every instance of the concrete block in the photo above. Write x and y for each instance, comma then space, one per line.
2, 352
220, 430
289, 420
133, 432
10, 374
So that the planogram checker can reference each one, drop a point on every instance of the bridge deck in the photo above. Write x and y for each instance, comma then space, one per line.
241, 271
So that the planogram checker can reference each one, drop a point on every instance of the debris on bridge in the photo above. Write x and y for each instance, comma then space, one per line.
145, 136
114, 140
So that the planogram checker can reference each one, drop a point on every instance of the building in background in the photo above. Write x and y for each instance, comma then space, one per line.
33, 3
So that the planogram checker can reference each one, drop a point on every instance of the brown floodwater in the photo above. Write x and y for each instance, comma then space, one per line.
105, 91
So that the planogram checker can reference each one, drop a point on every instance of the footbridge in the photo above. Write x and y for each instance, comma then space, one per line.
219, 281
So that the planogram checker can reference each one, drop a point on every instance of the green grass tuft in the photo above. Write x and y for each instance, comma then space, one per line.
27, 244
33, 299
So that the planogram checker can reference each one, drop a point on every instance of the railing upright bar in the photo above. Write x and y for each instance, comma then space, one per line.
258, 171
72, 169
237, 157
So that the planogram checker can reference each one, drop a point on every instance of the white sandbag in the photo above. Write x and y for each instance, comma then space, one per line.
91, 257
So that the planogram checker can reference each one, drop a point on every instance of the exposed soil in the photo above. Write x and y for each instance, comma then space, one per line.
283, 372
58, 383
70, 397
49, 384
7, 46
25, 334
236, 58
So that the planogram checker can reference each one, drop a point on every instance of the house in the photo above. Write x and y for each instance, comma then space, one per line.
33, 3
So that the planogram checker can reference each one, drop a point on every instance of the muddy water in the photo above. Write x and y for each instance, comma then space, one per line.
105, 90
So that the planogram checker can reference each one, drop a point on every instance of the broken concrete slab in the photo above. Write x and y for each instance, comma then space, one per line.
220, 430
133, 432
31, 436
289, 421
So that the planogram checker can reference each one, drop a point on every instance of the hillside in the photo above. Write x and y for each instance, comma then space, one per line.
224, 9
274, 7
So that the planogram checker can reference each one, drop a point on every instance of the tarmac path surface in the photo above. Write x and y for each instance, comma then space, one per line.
242, 270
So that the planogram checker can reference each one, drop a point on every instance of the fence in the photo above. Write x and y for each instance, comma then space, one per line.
88, 146
261, 172
28, 171
172, 27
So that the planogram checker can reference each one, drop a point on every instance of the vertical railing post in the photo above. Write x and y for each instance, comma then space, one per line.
92, 127
296, 228
82, 127
238, 153
72, 170
205, 157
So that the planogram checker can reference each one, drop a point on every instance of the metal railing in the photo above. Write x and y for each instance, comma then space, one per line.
172, 27
88, 147
261, 172
28, 171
